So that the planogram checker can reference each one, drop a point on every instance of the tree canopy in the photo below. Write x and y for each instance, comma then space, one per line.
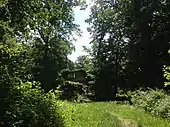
130, 42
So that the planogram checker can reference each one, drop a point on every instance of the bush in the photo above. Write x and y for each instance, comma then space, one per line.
162, 107
23, 104
146, 99
72, 90
28, 106
156, 101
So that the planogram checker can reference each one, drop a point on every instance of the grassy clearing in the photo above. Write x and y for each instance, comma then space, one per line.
107, 114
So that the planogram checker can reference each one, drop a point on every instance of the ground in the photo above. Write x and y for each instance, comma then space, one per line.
109, 114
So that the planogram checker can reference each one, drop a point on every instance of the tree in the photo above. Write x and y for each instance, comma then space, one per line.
47, 26
84, 62
109, 48
126, 41
145, 23
35, 39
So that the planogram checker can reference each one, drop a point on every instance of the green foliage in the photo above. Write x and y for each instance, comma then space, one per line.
35, 39
27, 105
84, 62
162, 107
167, 75
109, 48
154, 101
49, 62
33, 107
72, 90
126, 36
23, 103
47, 27
15, 57
39, 16
147, 99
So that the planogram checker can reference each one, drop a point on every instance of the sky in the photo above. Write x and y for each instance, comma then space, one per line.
80, 17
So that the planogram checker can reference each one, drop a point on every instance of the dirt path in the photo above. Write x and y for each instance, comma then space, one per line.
128, 123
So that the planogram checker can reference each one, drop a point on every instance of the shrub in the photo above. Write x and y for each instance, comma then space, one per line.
28, 106
23, 104
162, 107
146, 99
72, 90
156, 101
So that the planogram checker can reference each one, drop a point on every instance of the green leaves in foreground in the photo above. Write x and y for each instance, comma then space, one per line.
27, 105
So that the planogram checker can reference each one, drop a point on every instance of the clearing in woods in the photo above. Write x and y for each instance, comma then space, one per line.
109, 114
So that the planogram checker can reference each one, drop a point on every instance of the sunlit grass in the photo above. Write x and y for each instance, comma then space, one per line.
107, 114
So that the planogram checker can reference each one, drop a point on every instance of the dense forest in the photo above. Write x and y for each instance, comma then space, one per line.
130, 43
128, 63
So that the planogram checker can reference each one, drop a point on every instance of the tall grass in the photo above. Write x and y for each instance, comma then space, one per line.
108, 114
